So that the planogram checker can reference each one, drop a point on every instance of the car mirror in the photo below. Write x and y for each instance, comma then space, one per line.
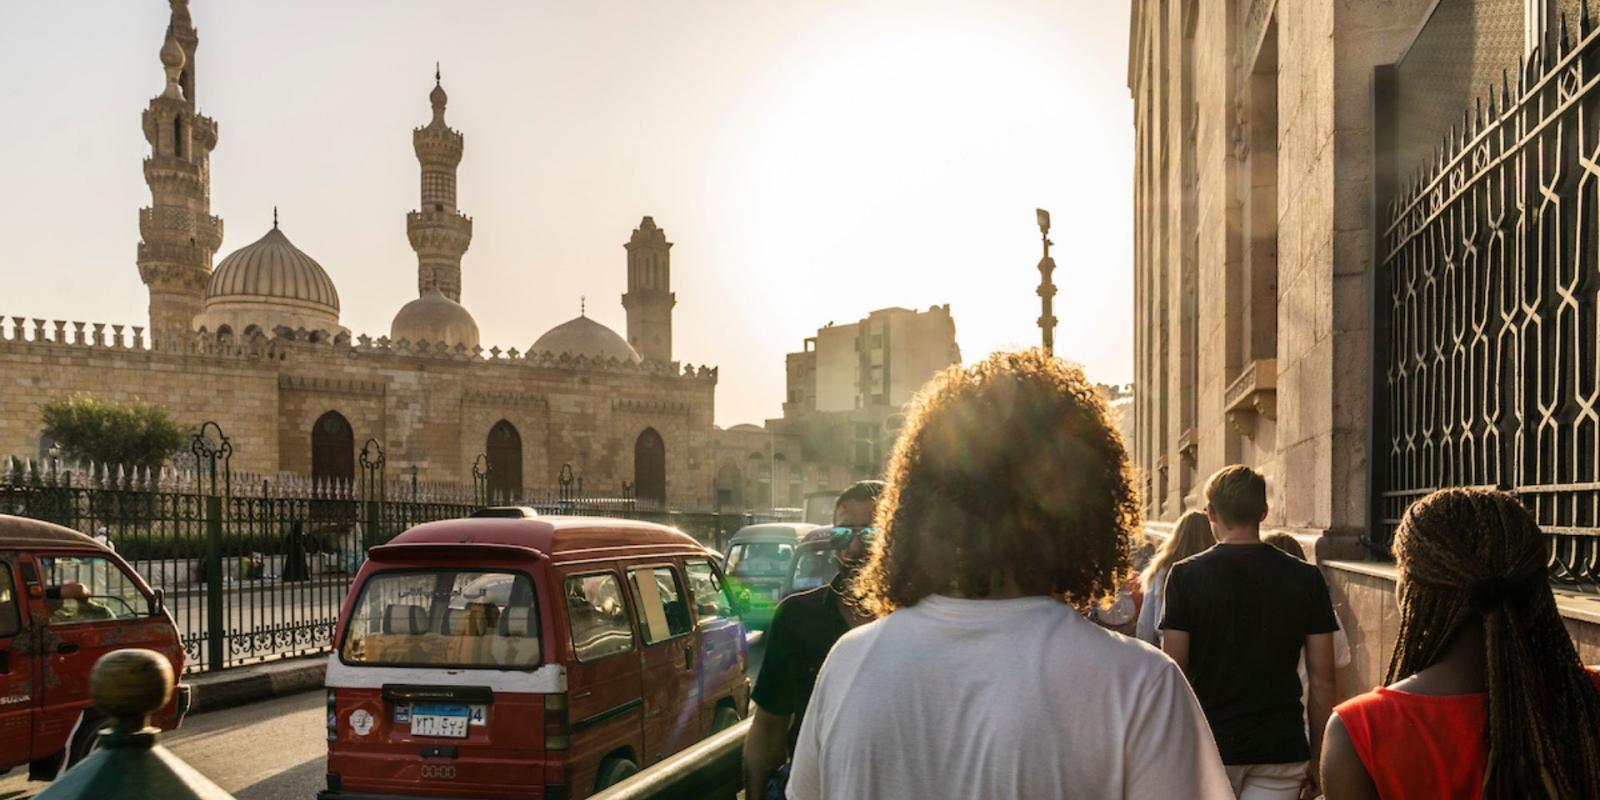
158, 603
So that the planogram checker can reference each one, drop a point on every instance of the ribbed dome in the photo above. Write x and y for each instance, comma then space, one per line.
272, 269
585, 337
435, 319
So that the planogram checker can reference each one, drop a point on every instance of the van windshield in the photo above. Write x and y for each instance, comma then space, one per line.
759, 559
446, 618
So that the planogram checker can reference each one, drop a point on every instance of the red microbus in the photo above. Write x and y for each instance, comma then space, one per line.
65, 601
509, 655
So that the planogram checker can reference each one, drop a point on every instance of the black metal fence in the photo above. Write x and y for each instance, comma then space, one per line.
1487, 300
255, 568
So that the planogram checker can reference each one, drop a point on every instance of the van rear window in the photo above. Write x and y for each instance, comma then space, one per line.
446, 618
759, 559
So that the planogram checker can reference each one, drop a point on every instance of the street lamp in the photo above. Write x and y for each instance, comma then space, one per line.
1047, 289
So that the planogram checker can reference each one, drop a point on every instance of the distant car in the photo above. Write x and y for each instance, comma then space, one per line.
814, 564
62, 590
758, 562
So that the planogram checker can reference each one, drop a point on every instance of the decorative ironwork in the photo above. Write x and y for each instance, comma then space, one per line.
1489, 294
212, 449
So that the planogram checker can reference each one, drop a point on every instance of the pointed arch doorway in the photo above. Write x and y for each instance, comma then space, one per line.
650, 469
504, 451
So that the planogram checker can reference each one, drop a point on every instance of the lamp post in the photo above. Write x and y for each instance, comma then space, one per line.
1047, 289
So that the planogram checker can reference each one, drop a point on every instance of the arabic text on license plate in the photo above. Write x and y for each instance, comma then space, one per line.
438, 719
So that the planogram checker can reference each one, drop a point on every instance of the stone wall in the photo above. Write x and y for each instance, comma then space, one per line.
429, 409
1363, 596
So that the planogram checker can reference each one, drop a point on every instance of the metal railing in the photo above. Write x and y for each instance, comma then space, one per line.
254, 568
710, 770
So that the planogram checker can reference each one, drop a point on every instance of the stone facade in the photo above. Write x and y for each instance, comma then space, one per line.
256, 346
1253, 249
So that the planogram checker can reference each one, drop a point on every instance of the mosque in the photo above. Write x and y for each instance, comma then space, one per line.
256, 344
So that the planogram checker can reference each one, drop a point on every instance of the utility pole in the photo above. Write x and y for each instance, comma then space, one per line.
1047, 289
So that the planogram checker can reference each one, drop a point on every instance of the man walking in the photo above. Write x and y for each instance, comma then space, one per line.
1009, 507
1237, 618
803, 630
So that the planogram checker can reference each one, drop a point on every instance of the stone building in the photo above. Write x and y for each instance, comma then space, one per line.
846, 393
1328, 286
256, 344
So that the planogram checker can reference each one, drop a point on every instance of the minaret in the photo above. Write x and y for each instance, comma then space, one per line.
649, 299
438, 231
177, 234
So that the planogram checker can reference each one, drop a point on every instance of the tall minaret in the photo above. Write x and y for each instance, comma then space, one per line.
649, 299
177, 234
438, 231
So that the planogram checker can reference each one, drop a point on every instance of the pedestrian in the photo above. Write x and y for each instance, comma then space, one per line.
1486, 695
1009, 510
1341, 642
803, 630
103, 536
1191, 536
1237, 619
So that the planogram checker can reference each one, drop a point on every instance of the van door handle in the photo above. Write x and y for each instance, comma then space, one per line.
67, 647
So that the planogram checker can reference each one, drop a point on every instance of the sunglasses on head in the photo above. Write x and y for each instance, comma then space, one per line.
841, 535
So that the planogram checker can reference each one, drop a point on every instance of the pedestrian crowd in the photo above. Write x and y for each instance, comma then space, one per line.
954, 656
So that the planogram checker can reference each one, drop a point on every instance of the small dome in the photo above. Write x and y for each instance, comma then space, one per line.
435, 319
273, 270
585, 337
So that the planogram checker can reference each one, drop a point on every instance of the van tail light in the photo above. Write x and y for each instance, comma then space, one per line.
333, 717
557, 736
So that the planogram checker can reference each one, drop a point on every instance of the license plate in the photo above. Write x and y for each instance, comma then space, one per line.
439, 719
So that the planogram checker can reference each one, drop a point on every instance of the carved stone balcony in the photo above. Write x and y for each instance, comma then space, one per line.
1253, 396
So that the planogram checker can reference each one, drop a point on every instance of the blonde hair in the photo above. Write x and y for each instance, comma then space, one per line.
1191, 536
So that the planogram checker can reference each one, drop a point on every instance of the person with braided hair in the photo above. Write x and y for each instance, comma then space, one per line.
1486, 695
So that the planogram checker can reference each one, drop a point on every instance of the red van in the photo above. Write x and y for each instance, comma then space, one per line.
525, 657
65, 601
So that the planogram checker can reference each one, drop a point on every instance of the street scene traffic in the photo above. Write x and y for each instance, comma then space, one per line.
1264, 463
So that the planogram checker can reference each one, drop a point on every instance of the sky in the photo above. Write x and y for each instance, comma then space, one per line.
811, 161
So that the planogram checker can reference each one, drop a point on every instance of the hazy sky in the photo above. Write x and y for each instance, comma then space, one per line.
811, 160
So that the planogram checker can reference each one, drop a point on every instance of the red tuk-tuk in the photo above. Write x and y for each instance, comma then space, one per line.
65, 601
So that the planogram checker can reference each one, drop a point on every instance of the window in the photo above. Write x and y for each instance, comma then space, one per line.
759, 559
79, 590
10, 620
663, 614
445, 617
710, 602
598, 616
813, 567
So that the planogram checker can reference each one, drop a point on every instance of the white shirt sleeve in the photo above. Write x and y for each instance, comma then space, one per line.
1341, 648
1150, 613
805, 773
1170, 751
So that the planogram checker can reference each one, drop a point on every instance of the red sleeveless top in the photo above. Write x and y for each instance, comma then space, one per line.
1421, 746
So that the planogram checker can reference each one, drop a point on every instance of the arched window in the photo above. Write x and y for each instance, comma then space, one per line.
177, 137
504, 451
730, 488
650, 469
224, 332
333, 450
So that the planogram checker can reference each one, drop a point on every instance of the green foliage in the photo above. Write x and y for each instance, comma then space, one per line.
128, 434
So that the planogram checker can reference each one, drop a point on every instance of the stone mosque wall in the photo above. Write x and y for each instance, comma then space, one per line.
430, 409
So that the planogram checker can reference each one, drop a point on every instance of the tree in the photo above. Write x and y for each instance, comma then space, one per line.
133, 434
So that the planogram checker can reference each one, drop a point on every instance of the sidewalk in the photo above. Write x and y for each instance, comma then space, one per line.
242, 685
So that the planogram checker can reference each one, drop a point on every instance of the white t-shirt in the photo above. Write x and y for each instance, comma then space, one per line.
1001, 699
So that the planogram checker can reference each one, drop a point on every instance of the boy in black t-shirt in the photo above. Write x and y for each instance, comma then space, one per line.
1237, 617
802, 632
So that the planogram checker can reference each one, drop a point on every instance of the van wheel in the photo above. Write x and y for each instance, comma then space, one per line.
724, 719
614, 771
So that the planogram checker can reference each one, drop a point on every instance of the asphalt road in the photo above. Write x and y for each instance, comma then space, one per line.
273, 750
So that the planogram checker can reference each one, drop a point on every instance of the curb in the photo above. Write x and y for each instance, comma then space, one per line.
243, 685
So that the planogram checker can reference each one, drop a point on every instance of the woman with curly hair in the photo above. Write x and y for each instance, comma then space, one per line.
1486, 695
1008, 510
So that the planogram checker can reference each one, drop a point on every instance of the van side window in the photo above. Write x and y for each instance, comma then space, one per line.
663, 611
10, 619
79, 589
710, 601
598, 615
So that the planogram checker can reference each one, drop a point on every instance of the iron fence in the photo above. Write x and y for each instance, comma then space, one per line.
1487, 299
255, 568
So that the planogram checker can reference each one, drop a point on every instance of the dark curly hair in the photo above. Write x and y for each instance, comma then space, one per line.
1012, 468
